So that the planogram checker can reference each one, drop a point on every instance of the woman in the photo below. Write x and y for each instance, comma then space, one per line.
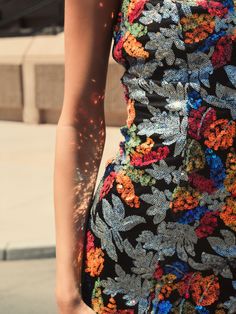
158, 234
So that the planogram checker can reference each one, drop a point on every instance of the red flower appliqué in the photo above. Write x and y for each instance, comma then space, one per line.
215, 8
135, 9
208, 223
223, 51
201, 183
107, 184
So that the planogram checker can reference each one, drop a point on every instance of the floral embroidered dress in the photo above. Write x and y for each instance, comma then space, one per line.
161, 233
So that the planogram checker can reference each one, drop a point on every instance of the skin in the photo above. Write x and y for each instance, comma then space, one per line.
80, 139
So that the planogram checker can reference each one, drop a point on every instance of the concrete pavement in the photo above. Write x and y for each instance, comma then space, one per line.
26, 202
27, 287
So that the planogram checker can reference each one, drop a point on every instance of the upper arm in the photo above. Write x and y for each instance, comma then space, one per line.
88, 31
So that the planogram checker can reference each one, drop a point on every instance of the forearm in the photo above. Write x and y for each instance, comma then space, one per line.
77, 160
81, 130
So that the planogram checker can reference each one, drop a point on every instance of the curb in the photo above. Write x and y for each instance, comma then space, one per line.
26, 250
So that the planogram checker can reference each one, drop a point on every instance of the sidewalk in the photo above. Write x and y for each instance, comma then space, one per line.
27, 286
26, 202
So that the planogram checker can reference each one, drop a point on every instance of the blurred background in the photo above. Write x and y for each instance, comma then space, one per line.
31, 95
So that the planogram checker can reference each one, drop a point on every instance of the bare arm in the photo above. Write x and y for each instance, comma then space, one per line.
80, 133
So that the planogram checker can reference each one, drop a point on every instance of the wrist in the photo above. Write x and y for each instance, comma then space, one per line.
67, 290
67, 298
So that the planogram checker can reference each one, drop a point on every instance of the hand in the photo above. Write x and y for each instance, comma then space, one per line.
74, 306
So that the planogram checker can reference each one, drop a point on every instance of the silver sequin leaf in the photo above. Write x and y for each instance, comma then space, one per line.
160, 203
183, 236
151, 14
178, 105
175, 75
174, 33
144, 261
225, 98
220, 23
166, 54
143, 69
210, 261
230, 305
234, 284
186, 7
101, 230
231, 72
175, 95
178, 92
215, 200
135, 91
224, 247
199, 69
180, 174
144, 84
147, 127
228, 22
189, 2
144, 305
169, 127
169, 10
163, 171
114, 216
133, 288
162, 47
169, 239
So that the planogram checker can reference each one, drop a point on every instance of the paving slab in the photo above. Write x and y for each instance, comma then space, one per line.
27, 287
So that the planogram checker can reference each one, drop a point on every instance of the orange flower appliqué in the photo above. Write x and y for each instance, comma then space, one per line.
110, 308
167, 287
230, 179
197, 27
184, 199
131, 112
95, 261
220, 134
228, 213
126, 188
205, 290
231, 160
133, 47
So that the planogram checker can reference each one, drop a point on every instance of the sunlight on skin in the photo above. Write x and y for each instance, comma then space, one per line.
81, 129
87, 169
90, 131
